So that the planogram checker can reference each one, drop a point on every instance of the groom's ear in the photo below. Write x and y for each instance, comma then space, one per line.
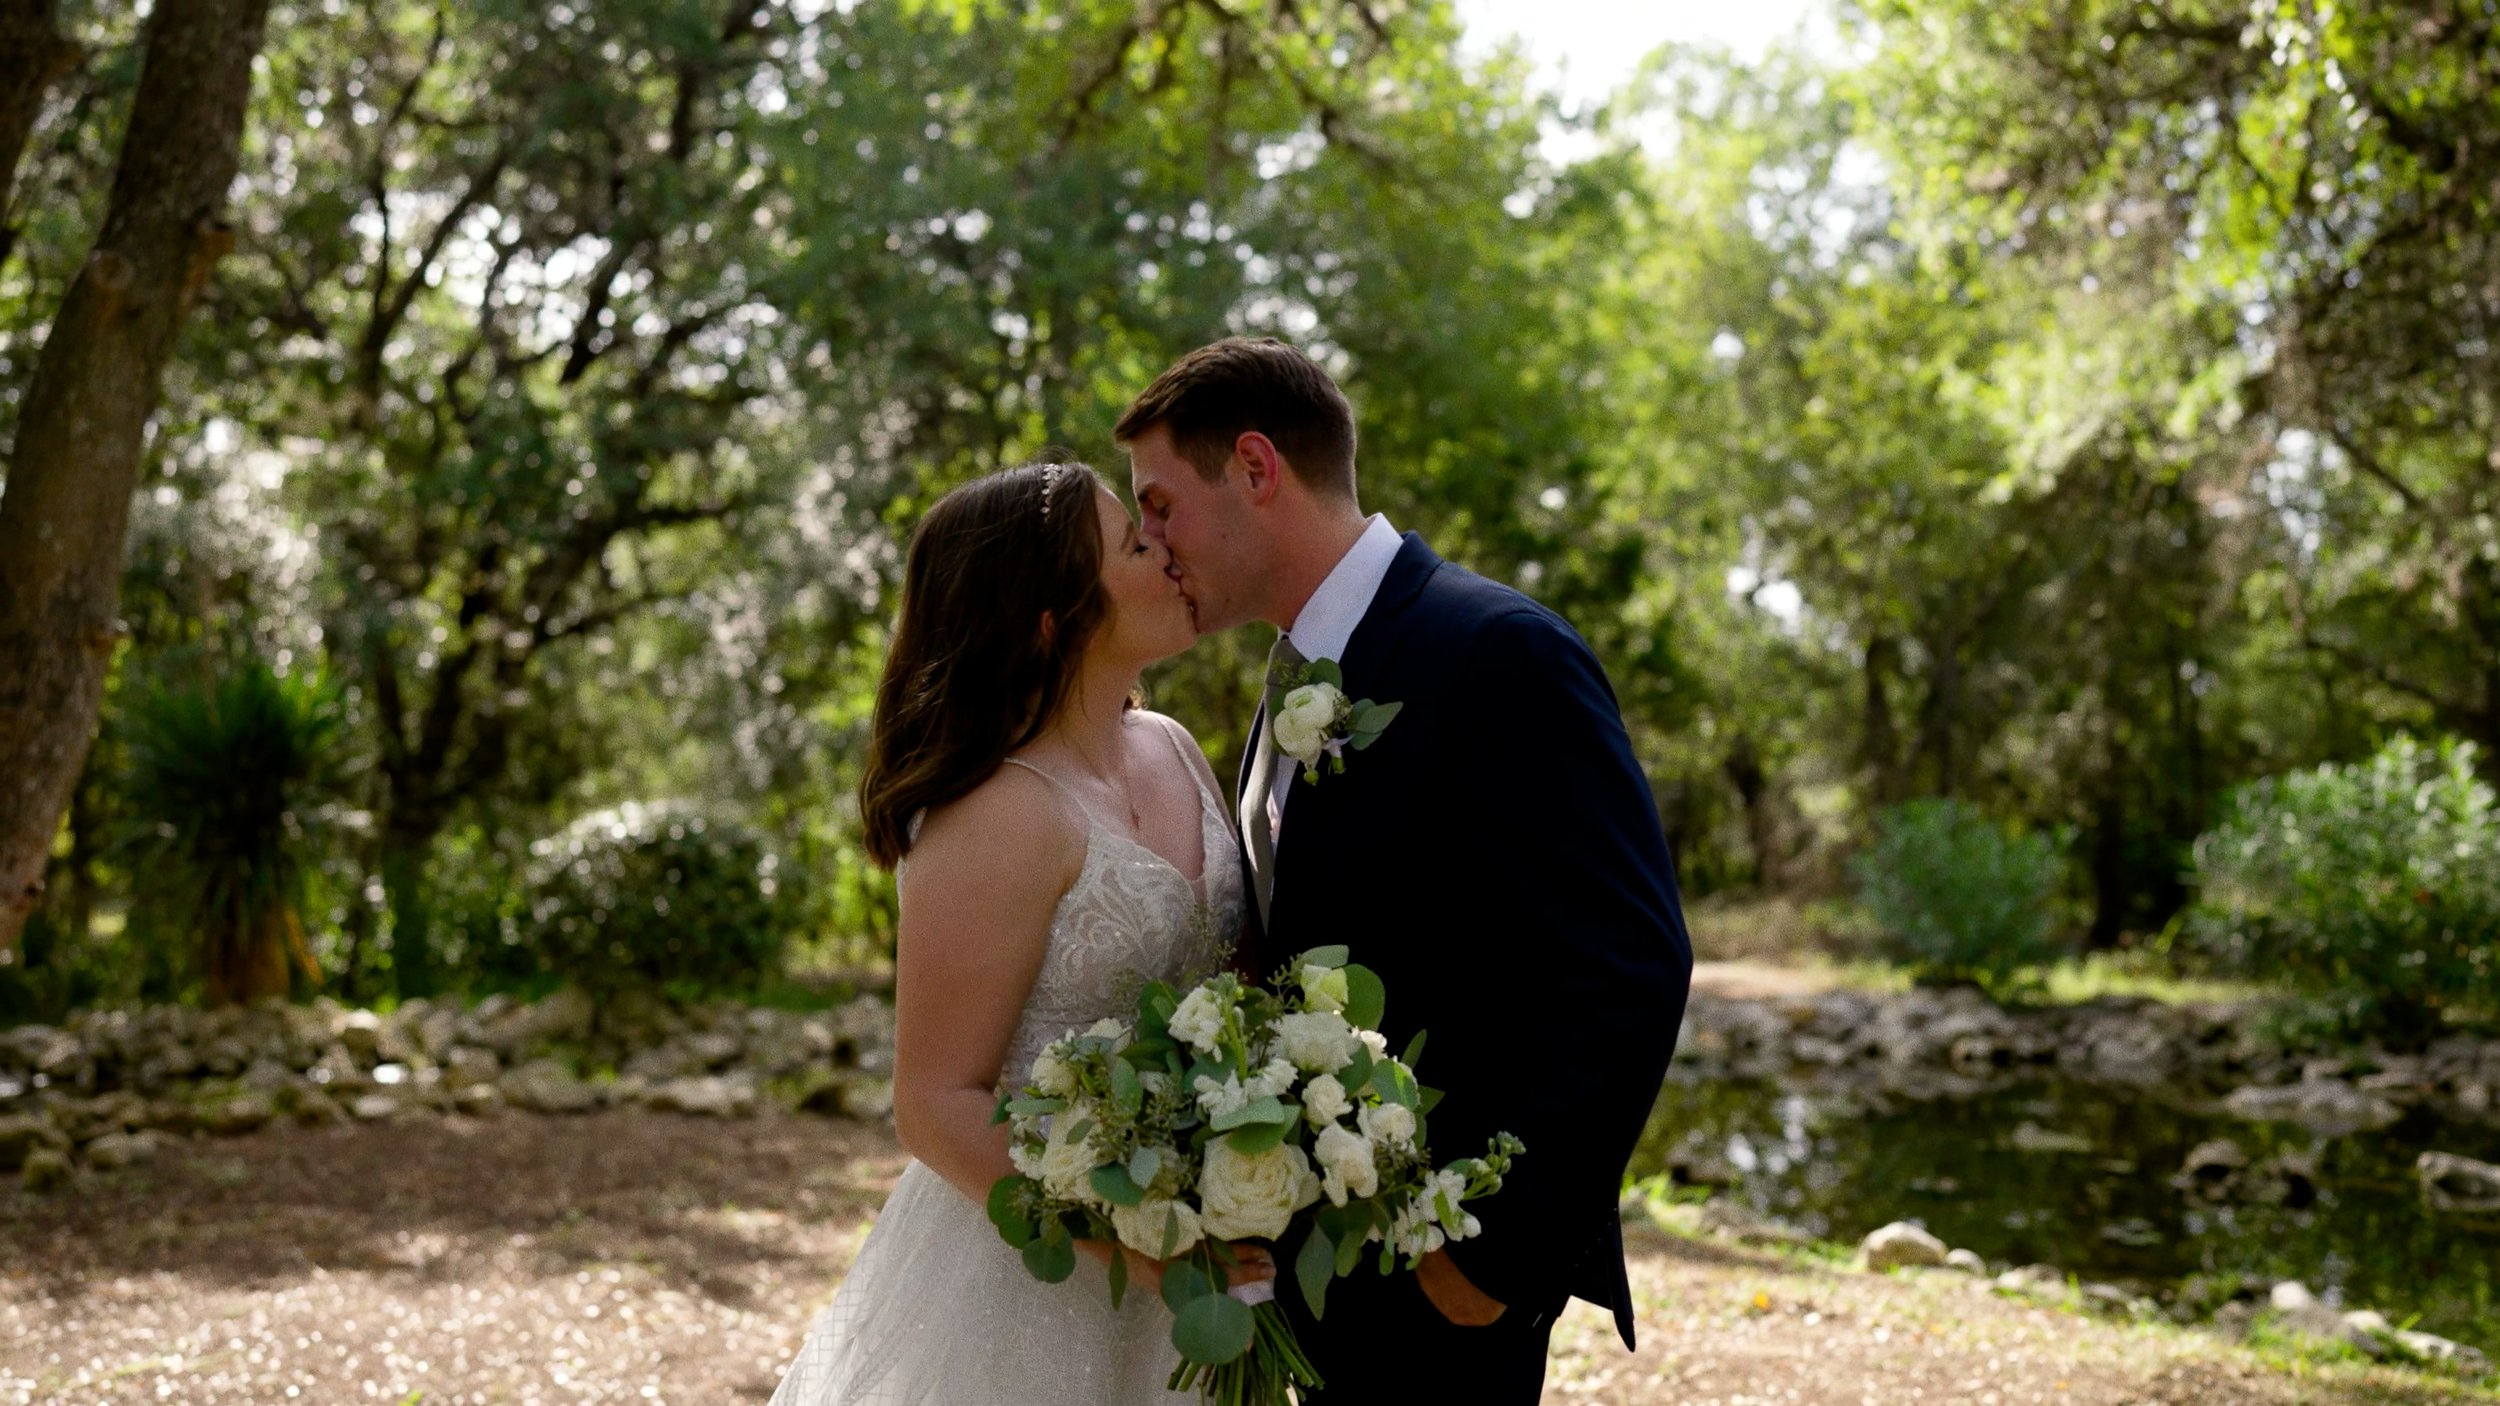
1262, 467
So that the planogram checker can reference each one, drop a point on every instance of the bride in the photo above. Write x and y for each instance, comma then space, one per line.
1054, 845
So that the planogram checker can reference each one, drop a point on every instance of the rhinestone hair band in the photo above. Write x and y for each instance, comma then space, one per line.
1051, 474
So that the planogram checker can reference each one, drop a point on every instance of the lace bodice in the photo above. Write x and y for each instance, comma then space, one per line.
1130, 917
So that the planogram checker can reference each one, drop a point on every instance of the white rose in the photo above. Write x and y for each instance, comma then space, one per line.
1324, 989
1053, 1076
1391, 1124
1067, 1164
1324, 1100
1199, 1021
1215, 1100
1253, 1195
1111, 1028
1304, 720
1273, 1081
1316, 1040
1142, 1227
1028, 1161
1375, 1042
1346, 1164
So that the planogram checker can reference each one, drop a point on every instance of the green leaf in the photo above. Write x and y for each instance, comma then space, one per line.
999, 1114
1374, 718
1350, 1244
1314, 1267
1414, 1050
1357, 1072
1127, 1095
1366, 999
1328, 958
1143, 1165
1257, 1137
1171, 1233
1035, 1107
1050, 1260
1013, 1226
1257, 1110
1119, 1275
1214, 1329
1425, 1101
1326, 671
1183, 1284
1078, 1130
1113, 1185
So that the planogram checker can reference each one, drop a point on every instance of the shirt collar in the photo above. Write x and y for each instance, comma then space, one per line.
1329, 617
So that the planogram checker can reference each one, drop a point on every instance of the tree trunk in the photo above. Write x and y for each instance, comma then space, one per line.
32, 56
84, 421
1880, 748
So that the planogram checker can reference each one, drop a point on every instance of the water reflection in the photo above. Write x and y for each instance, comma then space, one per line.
2095, 1181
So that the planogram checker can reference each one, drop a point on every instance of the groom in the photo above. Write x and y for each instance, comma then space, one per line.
1495, 856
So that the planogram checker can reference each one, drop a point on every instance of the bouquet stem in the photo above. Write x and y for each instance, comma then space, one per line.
1264, 1374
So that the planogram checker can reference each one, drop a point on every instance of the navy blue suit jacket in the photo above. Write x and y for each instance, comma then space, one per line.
1496, 856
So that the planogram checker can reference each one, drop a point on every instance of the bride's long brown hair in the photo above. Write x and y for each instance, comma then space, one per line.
973, 673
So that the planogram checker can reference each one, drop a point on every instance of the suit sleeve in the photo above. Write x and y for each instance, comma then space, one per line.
1580, 963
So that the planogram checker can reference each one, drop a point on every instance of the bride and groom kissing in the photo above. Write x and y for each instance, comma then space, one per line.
1492, 850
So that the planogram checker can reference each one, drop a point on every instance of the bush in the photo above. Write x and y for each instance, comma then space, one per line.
1958, 897
2373, 887
226, 775
659, 898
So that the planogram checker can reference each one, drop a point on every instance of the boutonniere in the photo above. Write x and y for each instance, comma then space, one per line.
1315, 719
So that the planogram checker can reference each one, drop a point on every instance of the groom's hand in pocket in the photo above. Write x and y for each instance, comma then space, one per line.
1451, 1292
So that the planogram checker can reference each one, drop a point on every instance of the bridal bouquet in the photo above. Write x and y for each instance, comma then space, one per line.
1232, 1113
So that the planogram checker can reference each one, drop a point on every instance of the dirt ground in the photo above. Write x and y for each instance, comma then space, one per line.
647, 1258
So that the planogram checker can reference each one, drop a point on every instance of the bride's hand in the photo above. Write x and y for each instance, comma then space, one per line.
1253, 1263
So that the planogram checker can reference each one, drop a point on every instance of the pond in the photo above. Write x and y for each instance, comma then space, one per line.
2088, 1178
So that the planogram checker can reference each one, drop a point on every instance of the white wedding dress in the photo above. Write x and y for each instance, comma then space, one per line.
938, 1311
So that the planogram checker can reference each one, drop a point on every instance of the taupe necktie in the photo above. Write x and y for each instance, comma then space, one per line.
1281, 659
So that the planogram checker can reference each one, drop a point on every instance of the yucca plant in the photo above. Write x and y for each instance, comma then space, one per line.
226, 774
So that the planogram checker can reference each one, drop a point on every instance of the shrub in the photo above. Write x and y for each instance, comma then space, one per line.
2374, 887
222, 793
1957, 897
661, 898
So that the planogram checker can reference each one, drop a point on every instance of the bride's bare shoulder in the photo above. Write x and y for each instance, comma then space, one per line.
1011, 828
1189, 747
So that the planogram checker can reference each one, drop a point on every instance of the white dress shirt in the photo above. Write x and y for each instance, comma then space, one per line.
1327, 623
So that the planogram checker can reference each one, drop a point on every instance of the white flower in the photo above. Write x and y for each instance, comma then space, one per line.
1375, 1042
1067, 1164
1316, 1040
1304, 720
1027, 1158
1346, 1164
1215, 1100
1253, 1195
1273, 1081
1324, 989
1052, 1075
1111, 1028
1199, 1022
1390, 1124
1142, 1227
1324, 1100
1154, 1081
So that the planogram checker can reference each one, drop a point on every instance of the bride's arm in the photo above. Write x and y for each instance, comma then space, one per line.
977, 899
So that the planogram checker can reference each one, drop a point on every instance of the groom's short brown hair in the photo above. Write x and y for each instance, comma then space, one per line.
1221, 391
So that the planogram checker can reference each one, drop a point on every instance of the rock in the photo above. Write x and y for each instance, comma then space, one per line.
2458, 1184
1902, 1245
24, 1135
478, 1100
267, 1076
437, 1033
706, 1096
2211, 1168
2321, 1105
545, 1086
311, 1106
373, 1108
2453, 1355
41, 1049
563, 1016
361, 1033
238, 1115
114, 1151
2031, 1137
2291, 1296
2032, 1279
712, 1049
1968, 1262
45, 1172
470, 1067
868, 1098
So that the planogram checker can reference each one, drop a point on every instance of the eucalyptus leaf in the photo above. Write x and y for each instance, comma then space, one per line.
1257, 1110
1328, 958
1314, 1267
1050, 1260
1366, 999
1256, 1138
1112, 1184
1183, 1283
1213, 1329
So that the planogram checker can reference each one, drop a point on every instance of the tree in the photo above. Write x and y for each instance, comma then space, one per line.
83, 424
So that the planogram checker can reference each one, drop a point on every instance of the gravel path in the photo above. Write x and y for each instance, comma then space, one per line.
637, 1257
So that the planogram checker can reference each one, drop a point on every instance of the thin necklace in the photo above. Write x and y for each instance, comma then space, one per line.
1120, 788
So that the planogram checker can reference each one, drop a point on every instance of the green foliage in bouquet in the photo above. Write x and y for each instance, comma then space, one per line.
1230, 1114
2374, 887
1960, 898
658, 898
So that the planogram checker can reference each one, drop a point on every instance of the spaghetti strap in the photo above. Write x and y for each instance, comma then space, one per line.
1185, 747
1063, 788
